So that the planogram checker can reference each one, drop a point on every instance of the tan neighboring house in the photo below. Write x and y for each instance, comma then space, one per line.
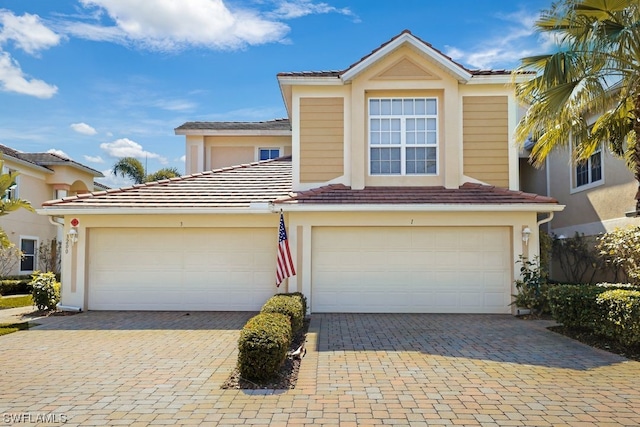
42, 176
399, 183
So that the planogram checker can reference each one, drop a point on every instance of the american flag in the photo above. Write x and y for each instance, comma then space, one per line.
284, 267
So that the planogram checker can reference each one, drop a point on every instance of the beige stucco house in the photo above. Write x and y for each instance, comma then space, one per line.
42, 176
399, 183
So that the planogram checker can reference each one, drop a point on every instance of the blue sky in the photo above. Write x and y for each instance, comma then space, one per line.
97, 80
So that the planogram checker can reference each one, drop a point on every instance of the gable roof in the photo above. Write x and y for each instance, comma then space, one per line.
445, 62
43, 160
233, 187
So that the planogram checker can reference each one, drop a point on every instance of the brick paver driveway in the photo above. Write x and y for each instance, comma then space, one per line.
118, 368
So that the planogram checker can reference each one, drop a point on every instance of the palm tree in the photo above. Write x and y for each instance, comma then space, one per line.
9, 204
587, 92
132, 168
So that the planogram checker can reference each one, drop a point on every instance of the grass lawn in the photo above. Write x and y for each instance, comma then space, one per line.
17, 301
7, 328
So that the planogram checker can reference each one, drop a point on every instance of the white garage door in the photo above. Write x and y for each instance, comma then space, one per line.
181, 269
411, 269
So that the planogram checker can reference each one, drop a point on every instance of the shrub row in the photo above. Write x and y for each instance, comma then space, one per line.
266, 337
15, 286
612, 310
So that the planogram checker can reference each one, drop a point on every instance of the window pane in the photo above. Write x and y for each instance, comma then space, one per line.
396, 138
411, 167
420, 109
421, 167
431, 124
408, 107
421, 138
395, 124
27, 263
395, 167
596, 167
374, 106
385, 107
421, 153
375, 154
431, 106
411, 138
582, 174
375, 124
385, 138
431, 167
431, 153
396, 107
431, 138
395, 153
385, 168
385, 124
28, 246
410, 124
375, 167
375, 138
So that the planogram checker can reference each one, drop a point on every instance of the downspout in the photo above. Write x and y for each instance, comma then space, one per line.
547, 219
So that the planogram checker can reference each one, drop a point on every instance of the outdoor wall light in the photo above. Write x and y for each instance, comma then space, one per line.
72, 235
526, 232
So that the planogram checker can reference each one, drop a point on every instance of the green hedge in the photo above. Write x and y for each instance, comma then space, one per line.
263, 345
300, 296
289, 305
15, 286
576, 306
620, 311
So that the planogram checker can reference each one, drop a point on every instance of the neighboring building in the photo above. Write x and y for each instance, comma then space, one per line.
400, 194
42, 177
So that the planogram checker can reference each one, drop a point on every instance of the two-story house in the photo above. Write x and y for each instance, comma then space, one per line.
398, 179
42, 176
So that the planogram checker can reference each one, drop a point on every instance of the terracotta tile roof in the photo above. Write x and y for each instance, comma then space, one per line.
338, 73
467, 193
232, 187
46, 159
277, 124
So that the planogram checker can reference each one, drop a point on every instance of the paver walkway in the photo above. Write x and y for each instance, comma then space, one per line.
166, 368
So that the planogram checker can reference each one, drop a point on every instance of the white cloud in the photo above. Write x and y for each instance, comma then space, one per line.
12, 79
171, 25
26, 31
516, 40
83, 128
183, 158
125, 147
175, 105
93, 159
58, 153
290, 9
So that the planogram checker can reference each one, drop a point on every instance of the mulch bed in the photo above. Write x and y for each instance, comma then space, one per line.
590, 338
286, 378
599, 341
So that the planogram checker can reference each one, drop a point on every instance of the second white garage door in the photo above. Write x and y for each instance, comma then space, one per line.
411, 269
181, 269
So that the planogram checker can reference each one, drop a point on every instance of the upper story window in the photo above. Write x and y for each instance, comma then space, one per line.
268, 153
12, 192
589, 171
403, 136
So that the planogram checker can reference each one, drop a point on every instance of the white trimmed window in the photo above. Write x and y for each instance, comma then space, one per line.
403, 136
12, 192
589, 171
268, 153
29, 248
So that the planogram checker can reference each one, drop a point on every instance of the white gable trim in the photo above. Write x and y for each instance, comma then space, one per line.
460, 73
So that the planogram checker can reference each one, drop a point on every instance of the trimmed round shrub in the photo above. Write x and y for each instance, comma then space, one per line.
621, 315
263, 345
45, 291
291, 306
301, 297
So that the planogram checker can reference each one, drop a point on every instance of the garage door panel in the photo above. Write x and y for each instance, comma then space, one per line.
181, 269
411, 269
